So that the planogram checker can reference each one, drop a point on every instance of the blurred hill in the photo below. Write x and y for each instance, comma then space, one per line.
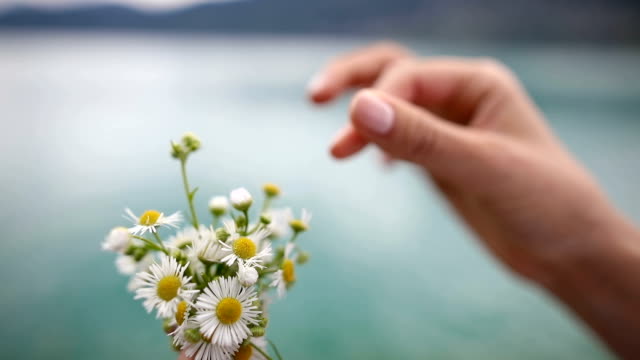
544, 20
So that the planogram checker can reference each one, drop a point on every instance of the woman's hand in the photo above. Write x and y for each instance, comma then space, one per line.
470, 125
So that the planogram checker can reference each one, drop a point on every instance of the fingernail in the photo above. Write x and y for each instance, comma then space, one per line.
316, 84
373, 113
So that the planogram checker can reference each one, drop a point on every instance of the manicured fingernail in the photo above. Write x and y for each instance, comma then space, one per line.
373, 113
317, 83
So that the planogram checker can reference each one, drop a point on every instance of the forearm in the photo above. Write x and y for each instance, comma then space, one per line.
602, 286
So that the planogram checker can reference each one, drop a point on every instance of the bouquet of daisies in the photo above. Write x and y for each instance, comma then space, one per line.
211, 282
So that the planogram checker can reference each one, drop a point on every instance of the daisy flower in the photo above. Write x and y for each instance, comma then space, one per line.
182, 239
126, 265
205, 246
286, 275
301, 224
118, 240
151, 220
245, 249
224, 310
187, 337
280, 218
163, 286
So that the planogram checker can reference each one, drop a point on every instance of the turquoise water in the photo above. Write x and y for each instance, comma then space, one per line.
85, 122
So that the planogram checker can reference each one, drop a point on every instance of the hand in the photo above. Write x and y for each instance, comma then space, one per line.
470, 125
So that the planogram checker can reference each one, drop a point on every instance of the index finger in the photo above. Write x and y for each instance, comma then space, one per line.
360, 68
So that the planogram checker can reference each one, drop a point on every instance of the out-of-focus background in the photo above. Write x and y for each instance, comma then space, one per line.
91, 93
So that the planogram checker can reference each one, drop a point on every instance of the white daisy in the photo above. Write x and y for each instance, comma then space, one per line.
187, 337
118, 240
151, 220
182, 238
205, 246
126, 265
280, 218
245, 249
301, 224
286, 275
224, 310
204, 350
163, 286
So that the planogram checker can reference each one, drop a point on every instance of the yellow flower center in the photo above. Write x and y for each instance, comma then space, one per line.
168, 287
229, 310
244, 248
181, 312
288, 271
149, 217
244, 353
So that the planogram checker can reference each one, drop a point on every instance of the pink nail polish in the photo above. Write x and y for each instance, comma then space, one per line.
373, 113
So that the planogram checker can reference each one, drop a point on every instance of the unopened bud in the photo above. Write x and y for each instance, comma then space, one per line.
303, 257
257, 331
271, 190
191, 141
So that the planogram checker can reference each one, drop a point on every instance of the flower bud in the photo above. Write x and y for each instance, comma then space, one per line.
241, 221
265, 219
168, 327
218, 205
303, 257
192, 335
222, 234
118, 240
247, 275
257, 331
298, 225
177, 151
271, 190
264, 322
191, 141
241, 199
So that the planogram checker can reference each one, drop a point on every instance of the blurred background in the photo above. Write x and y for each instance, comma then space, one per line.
91, 93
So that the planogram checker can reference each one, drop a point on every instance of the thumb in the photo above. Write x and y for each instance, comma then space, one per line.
408, 132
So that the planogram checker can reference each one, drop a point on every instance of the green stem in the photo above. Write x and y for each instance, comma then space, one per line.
275, 349
266, 204
261, 351
295, 235
151, 244
187, 190
155, 234
246, 224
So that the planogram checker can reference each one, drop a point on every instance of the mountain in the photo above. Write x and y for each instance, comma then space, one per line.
567, 20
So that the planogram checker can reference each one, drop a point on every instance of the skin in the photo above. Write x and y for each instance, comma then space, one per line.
471, 127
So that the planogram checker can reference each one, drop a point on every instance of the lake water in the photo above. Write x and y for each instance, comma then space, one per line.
85, 121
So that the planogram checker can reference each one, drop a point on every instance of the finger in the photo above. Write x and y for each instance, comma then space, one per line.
408, 132
360, 68
347, 142
183, 356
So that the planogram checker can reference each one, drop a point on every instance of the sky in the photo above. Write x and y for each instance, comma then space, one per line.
141, 4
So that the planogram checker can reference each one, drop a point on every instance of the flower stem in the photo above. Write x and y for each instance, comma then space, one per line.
155, 234
150, 243
262, 352
189, 193
275, 349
